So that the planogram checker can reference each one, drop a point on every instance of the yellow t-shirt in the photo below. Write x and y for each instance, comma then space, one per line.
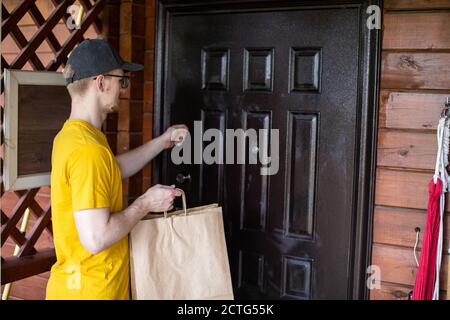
85, 175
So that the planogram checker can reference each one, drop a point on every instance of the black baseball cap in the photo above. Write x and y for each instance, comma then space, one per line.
96, 56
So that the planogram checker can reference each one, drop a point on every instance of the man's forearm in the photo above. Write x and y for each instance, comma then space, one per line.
98, 228
118, 226
134, 160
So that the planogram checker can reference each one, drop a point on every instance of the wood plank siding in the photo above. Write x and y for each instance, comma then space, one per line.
415, 79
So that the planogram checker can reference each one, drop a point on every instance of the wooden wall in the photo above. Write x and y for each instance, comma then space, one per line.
415, 79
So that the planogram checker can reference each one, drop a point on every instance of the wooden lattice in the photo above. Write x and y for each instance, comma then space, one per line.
30, 261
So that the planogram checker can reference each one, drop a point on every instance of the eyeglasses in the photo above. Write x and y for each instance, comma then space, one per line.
124, 80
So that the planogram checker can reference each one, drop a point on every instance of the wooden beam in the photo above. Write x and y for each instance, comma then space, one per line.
410, 110
76, 36
38, 228
38, 211
40, 35
397, 265
392, 291
4, 64
4, 217
34, 60
406, 149
21, 41
39, 20
396, 227
14, 268
416, 30
17, 213
18, 236
416, 4
404, 188
15, 16
2, 85
413, 70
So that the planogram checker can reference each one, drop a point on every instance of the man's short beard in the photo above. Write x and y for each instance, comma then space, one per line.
110, 108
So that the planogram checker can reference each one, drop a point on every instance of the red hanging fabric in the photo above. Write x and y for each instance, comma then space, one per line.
425, 278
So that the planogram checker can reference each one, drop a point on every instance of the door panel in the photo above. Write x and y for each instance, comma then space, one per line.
290, 235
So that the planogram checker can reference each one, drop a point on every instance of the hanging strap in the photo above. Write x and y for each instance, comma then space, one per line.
443, 136
440, 133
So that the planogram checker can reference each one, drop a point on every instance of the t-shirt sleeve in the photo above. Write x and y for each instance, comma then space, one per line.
89, 175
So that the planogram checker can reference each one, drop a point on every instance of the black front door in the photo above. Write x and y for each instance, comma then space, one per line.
300, 70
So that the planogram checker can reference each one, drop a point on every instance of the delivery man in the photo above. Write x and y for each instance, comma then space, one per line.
90, 223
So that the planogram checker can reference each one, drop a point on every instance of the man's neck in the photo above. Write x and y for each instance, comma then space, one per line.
90, 113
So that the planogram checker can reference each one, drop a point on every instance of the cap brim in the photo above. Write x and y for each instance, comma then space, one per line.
131, 66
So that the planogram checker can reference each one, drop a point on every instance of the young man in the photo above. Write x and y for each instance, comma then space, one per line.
90, 225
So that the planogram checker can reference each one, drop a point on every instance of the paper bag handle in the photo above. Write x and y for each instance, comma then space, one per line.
183, 198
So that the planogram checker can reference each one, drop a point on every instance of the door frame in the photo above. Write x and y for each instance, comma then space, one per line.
366, 121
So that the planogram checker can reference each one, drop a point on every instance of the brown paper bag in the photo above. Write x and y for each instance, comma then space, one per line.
181, 255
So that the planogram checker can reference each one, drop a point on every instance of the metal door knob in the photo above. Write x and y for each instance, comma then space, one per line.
183, 178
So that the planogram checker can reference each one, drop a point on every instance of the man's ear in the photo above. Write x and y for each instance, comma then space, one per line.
100, 83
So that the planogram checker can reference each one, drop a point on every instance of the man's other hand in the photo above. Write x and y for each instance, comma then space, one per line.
174, 135
158, 198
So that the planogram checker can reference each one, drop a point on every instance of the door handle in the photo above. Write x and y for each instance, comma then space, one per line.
183, 178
